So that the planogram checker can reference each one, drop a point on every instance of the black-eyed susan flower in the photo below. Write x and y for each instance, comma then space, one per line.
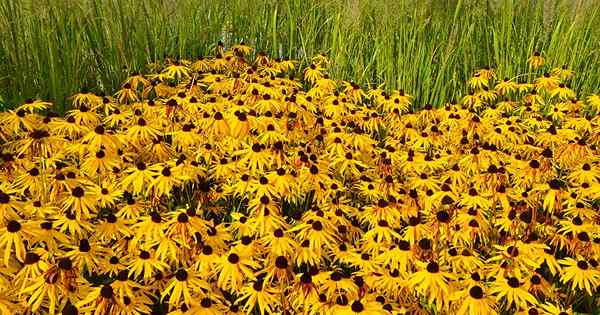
475, 300
433, 282
513, 291
181, 285
233, 269
313, 72
11, 240
260, 295
580, 274
144, 266
536, 60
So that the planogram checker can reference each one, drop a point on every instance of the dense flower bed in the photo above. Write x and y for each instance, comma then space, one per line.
225, 186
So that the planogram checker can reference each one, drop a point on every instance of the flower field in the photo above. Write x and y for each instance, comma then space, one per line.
299, 157
52, 49
226, 185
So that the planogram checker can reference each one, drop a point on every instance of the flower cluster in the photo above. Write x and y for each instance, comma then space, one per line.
224, 185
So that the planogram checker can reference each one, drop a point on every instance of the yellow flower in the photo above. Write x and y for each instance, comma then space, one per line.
144, 266
474, 300
594, 101
478, 81
44, 291
580, 274
181, 287
233, 269
313, 73
138, 177
34, 105
176, 71
512, 290
433, 283
536, 60
11, 239
259, 295
563, 92
547, 82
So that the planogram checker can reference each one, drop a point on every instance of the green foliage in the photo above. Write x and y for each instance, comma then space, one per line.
53, 48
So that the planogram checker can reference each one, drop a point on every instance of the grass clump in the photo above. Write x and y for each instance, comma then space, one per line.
54, 48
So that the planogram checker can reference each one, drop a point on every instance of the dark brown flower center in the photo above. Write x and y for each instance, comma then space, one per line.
583, 265
181, 275
144, 255
476, 292
77, 192
13, 226
107, 292
233, 258
31, 258
433, 267
357, 307
281, 262
206, 302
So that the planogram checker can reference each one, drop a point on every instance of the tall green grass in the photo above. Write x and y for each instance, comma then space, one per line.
53, 48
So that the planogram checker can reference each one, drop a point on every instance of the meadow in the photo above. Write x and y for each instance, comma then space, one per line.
53, 48
299, 157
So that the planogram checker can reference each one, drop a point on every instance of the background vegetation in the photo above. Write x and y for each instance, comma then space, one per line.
53, 48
